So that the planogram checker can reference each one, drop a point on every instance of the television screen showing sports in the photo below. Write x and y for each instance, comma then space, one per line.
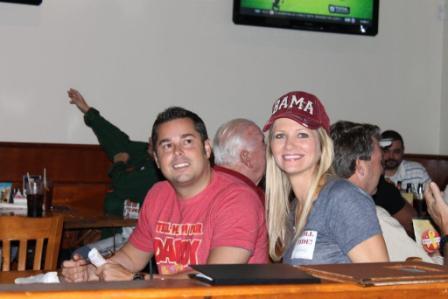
346, 16
31, 2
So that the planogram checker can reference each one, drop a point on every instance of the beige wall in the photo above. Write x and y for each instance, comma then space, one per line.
131, 59
444, 97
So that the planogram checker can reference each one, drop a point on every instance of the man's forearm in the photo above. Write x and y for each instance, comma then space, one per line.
131, 258
124, 260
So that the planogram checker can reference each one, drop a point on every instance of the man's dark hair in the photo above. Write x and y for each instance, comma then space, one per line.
172, 113
352, 141
392, 135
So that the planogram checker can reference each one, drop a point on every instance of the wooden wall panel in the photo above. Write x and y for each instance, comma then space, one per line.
78, 172
436, 165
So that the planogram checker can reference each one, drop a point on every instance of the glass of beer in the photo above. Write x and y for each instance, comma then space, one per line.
34, 197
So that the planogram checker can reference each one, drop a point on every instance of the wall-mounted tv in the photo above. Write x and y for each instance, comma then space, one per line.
341, 16
31, 2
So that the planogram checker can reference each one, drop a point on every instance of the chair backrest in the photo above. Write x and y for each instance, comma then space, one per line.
44, 232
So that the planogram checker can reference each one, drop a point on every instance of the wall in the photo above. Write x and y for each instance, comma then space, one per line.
444, 98
131, 59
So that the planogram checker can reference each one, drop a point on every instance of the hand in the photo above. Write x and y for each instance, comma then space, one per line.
77, 99
111, 271
78, 270
121, 157
437, 207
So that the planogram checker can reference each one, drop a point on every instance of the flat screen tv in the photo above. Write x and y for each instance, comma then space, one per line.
341, 16
31, 2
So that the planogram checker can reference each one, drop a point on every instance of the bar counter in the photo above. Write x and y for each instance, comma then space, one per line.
193, 289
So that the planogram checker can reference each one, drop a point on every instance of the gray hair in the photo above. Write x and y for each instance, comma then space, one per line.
352, 141
229, 140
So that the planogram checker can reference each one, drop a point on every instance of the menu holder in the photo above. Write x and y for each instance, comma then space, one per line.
426, 236
240, 274
380, 274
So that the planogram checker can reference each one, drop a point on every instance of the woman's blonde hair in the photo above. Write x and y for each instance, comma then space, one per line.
278, 190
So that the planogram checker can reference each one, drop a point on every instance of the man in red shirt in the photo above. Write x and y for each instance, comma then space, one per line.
197, 216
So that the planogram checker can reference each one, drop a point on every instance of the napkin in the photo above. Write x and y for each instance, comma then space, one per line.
7, 205
49, 277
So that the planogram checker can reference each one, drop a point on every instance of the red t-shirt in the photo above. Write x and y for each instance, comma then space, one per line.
242, 177
181, 232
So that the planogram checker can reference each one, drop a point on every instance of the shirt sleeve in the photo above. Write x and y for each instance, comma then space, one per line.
142, 237
110, 137
237, 219
352, 216
425, 175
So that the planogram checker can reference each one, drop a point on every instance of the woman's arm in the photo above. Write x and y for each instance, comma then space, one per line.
370, 251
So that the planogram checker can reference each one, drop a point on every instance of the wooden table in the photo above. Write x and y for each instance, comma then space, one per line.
80, 224
82, 218
193, 289
76, 218
9, 276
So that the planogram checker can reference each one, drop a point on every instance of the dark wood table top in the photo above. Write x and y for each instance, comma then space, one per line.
81, 218
77, 218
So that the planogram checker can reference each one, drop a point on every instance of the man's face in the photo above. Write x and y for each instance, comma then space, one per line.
180, 153
258, 153
393, 155
374, 168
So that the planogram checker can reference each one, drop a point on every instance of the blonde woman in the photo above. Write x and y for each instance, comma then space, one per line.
312, 216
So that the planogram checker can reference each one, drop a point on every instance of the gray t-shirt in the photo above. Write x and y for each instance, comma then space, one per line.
343, 216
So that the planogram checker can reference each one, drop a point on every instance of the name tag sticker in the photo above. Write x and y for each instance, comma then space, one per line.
304, 248
130, 209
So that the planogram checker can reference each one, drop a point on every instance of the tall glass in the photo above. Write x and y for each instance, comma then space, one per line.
34, 197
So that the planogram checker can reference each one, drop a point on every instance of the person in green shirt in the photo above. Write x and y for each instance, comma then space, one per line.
133, 171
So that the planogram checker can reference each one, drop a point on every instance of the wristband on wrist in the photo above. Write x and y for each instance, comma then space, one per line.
138, 276
443, 242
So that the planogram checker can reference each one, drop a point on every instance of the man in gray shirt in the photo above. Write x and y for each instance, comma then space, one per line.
358, 158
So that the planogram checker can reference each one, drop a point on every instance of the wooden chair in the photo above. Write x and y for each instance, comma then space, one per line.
45, 230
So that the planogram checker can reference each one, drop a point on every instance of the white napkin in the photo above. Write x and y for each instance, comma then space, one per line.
49, 277
96, 258
7, 205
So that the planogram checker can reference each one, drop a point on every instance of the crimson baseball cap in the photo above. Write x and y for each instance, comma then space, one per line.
302, 107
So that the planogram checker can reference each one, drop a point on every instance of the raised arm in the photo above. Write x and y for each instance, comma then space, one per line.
77, 99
